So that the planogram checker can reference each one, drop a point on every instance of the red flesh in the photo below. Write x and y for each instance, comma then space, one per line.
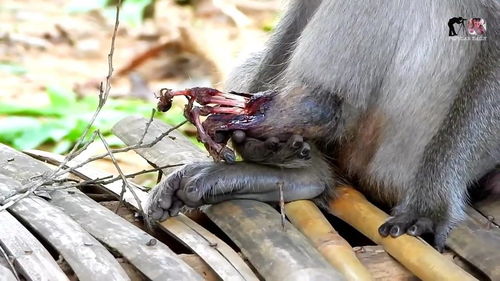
226, 112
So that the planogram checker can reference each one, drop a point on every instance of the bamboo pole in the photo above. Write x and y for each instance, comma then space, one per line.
307, 218
417, 256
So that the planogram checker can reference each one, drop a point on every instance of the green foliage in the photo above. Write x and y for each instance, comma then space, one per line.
65, 118
11, 68
269, 26
132, 12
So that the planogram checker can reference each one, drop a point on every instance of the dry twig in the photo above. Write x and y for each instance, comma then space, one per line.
103, 96
110, 179
11, 265
125, 182
282, 205
78, 148
125, 149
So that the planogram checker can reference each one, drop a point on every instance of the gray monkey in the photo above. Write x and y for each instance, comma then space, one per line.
375, 89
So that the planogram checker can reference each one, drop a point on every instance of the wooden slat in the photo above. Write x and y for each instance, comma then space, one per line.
311, 222
31, 258
86, 256
416, 255
224, 260
477, 240
490, 208
382, 266
221, 258
277, 253
157, 262
180, 150
6, 274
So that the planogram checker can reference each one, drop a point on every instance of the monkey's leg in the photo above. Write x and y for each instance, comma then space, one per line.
468, 138
208, 183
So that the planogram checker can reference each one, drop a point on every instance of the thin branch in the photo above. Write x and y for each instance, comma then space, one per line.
103, 95
282, 205
11, 265
63, 168
110, 179
123, 149
119, 170
153, 111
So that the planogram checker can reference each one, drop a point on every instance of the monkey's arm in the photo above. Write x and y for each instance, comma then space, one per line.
260, 69
208, 183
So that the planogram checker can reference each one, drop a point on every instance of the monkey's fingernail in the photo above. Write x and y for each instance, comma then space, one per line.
383, 230
297, 141
412, 230
305, 150
228, 155
395, 231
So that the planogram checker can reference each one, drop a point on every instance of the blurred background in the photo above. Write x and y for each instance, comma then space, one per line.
53, 56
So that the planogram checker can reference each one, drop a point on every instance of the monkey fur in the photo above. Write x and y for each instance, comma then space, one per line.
375, 89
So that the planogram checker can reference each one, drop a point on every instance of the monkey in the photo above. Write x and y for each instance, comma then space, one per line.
367, 92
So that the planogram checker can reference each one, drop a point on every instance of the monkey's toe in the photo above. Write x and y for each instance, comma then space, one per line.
296, 147
400, 225
163, 201
421, 226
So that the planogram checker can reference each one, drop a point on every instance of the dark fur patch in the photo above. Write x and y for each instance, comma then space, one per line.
364, 137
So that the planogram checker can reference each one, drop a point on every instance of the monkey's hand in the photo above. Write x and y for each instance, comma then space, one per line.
410, 222
292, 153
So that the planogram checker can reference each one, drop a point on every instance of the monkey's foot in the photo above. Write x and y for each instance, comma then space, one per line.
199, 184
226, 112
293, 153
415, 226
176, 191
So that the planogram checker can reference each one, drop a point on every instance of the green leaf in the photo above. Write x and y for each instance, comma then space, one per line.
31, 139
58, 129
12, 68
132, 11
13, 127
61, 97
79, 6
62, 146
114, 141
77, 130
15, 109
50, 130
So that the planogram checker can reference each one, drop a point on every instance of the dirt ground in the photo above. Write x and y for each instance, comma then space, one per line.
46, 43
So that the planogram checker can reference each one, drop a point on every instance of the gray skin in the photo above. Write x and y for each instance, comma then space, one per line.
410, 115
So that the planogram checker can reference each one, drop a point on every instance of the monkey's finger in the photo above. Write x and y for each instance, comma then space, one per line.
397, 230
272, 143
175, 208
395, 227
238, 136
305, 152
421, 226
156, 215
296, 141
221, 137
384, 230
440, 235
